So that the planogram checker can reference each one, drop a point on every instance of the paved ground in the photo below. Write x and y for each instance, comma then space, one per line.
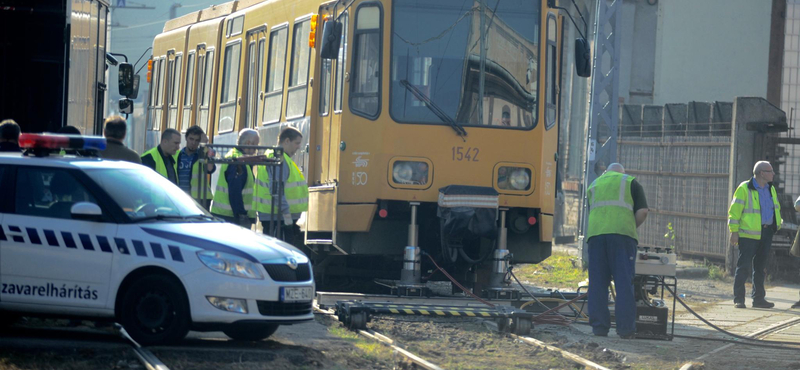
718, 355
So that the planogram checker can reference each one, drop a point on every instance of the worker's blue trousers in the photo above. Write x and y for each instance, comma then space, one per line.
612, 255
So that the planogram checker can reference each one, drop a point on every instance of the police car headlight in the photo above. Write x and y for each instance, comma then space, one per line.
230, 265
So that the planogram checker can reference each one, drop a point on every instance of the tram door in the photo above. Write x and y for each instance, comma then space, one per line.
333, 77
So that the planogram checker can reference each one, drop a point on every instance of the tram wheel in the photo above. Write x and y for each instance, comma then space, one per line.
357, 321
521, 326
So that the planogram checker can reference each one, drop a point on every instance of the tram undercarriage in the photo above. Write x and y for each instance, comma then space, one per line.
467, 235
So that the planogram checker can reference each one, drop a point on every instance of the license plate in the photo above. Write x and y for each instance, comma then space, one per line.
294, 294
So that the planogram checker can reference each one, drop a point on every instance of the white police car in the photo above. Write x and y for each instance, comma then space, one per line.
83, 237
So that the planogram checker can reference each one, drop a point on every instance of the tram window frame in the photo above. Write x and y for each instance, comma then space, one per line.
229, 88
551, 78
235, 26
204, 101
357, 62
153, 95
341, 61
175, 91
158, 108
188, 90
297, 88
254, 73
278, 91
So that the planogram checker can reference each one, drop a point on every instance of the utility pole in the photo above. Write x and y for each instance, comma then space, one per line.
601, 143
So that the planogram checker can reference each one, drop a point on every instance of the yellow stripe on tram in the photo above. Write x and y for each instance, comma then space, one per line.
410, 312
440, 313
424, 312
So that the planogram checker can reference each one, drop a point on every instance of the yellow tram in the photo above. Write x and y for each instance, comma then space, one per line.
415, 96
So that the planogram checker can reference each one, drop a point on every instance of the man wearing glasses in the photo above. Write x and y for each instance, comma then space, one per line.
753, 218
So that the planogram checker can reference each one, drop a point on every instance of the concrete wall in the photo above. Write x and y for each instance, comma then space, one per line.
711, 50
637, 57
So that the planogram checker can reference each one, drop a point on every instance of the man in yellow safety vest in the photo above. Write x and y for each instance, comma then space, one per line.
163, 158
617, 206
233, 197
295, 189
753, 218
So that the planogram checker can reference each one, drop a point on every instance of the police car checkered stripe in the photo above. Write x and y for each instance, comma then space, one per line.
86, 240
138, 246
122, 247
50, 235
89, 243
157, 251
68, 240
17, 238
33, 235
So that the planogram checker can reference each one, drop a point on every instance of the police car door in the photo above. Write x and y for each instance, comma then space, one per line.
48, 256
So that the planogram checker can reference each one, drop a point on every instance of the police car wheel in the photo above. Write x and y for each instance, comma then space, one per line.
155, 310
250, 333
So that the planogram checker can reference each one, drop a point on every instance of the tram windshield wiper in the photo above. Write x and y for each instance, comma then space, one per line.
435, 109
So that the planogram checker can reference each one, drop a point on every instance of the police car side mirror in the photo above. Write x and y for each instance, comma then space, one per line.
86, 211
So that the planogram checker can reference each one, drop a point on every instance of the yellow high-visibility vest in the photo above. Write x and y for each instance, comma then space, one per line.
744, 214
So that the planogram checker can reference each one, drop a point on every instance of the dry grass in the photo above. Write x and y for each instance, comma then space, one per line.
558, 271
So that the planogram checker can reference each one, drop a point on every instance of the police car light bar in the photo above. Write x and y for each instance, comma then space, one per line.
45, 141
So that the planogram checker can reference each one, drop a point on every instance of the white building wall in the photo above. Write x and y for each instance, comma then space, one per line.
711, 50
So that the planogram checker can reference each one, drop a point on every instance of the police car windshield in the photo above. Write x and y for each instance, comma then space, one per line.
145, 195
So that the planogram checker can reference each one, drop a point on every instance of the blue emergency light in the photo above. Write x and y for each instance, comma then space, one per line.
73, 142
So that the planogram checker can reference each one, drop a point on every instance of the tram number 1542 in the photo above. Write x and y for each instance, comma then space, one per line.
461, 153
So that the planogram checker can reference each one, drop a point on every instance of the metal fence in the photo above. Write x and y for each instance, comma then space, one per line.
685, 179
680, 154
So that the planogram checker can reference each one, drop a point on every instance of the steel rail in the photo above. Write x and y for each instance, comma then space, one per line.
147, 358
565, 354
419, 361
761, 333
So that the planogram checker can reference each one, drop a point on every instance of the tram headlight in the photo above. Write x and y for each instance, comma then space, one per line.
410, 173
514, 178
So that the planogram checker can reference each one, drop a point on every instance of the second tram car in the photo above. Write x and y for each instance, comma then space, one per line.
424, 114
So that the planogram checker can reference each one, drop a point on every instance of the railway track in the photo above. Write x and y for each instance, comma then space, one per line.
777, 344
572, 357
371, 334
147, 358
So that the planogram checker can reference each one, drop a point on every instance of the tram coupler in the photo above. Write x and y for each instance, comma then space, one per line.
411, 275
499, 286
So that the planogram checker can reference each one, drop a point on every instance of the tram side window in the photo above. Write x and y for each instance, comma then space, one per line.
208, 64
298, 76
276, 66
230, 81
175, 91
340, 64
365, 90
158, 93
188, 92
551, 88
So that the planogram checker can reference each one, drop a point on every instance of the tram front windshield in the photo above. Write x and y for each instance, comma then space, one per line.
436, 52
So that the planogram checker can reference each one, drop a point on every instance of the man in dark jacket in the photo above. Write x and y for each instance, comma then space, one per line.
9, 136
163, 158
115, 130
